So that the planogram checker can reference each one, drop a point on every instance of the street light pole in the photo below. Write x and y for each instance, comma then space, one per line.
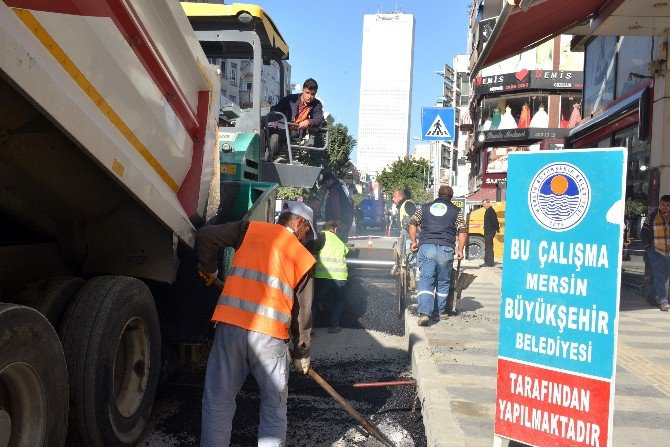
436, 160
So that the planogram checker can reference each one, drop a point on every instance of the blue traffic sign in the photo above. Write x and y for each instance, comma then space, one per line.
560, 295
563, 239
438, 123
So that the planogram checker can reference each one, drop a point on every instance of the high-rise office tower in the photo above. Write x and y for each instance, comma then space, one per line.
386, 82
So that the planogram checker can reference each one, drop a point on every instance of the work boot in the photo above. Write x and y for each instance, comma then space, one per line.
334, 329
424, 320
665, 307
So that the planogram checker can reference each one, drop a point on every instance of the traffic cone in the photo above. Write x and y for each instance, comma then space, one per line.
369, 241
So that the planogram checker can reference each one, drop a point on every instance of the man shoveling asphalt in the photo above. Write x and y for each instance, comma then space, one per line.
267, 296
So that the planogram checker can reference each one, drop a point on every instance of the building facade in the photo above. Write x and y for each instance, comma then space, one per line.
236, 82
619, 96
385, 95
626, 94
455, 168
527, 102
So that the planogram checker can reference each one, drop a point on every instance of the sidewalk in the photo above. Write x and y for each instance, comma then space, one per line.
454, 363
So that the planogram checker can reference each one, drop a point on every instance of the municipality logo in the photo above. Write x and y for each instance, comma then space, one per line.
559, 196
438, 209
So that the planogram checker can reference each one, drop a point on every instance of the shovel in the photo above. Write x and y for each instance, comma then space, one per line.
366, 424
459, 282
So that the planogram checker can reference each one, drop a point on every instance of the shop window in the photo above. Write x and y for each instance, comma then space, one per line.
497, 157
599, 73
634, 56
639, 153
511, 112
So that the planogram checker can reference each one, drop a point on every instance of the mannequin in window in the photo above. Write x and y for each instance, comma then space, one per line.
575, 116
565, 118
507, 121
495, 120
524, 118
540, 119
486, 125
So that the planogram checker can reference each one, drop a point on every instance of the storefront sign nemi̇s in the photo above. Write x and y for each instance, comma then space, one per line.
529, 79
560, 297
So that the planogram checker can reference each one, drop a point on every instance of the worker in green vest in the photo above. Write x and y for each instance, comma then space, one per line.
405, 210
330, 275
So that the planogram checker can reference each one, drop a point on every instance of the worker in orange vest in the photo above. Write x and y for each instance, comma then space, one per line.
266, 300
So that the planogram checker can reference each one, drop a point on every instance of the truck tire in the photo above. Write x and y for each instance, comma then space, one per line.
111, 340
50, 296
33, 380
475, 247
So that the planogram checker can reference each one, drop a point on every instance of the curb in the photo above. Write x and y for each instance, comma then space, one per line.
440, 424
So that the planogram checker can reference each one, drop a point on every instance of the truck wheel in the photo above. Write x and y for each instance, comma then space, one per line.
33, 380
475, 247
50, 296
111, 340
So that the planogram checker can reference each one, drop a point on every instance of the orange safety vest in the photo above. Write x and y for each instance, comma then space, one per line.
259, 290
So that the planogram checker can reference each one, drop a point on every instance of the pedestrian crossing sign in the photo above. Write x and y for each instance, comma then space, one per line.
437, 123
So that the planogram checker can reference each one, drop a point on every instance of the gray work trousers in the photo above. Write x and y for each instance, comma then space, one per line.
235, 353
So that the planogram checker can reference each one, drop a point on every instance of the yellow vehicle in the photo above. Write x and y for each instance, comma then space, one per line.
475, 249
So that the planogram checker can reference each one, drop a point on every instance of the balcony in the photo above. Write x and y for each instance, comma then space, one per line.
246, 68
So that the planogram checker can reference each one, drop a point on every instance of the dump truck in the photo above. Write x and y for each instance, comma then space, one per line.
110, 159
475, 222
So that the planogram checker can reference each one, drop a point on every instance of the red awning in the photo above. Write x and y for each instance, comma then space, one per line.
482, 194
524, 30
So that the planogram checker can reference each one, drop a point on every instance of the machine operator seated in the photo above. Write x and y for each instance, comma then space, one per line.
300, 108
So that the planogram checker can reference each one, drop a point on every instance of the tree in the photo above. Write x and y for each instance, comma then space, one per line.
357, 198
289, 192
336, 157
635, 208
410, 174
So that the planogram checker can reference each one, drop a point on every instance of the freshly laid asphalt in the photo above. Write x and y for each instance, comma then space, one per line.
370, 348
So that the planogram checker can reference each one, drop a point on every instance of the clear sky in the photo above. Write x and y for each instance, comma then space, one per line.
325, 39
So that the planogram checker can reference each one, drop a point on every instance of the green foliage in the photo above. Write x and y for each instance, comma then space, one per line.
289, 192
357, 198
410, 174
635, 208
336, 157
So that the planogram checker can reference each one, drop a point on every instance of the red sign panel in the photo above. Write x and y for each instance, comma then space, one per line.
541, 407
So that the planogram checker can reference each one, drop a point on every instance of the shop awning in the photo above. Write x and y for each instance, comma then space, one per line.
482, 194
466, 120
517, 30
638, 103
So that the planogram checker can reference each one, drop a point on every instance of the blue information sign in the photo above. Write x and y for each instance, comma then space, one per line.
560, 296
438, 123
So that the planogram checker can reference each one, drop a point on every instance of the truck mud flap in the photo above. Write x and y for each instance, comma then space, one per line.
289, 175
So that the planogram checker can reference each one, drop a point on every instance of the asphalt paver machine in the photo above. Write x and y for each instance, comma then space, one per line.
245, 32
